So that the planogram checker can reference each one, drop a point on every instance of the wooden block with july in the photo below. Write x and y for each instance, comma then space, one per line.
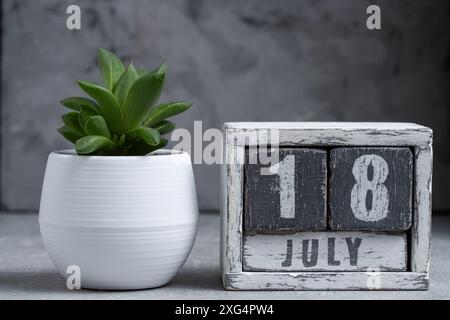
325, 251
370, 188
290, 195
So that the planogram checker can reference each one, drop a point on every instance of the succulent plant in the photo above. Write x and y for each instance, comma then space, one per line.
121, 117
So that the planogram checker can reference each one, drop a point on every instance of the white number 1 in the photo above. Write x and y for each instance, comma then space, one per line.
285, 169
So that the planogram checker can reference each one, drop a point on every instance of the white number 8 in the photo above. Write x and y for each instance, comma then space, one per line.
380, 197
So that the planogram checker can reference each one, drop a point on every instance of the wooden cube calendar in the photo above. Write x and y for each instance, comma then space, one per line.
342, 206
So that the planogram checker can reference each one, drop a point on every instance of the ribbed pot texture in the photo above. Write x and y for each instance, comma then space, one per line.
126, 222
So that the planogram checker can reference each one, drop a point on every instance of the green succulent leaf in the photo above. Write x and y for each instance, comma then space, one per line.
131, 136
163, 143
111, 67
70, 119
109, 107
165, 126
124, 84
122, 139
96, 125
69, 133
141, 71
160, 70
166, 110
142, 148
149, 135
90, 144
76, 103
142, 96
85, 113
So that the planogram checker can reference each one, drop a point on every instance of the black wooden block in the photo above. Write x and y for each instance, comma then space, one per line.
289, 196
370, 188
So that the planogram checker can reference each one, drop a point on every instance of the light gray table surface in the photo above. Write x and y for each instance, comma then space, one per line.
26, 272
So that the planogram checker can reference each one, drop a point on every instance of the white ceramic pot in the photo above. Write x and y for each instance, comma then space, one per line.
126, 222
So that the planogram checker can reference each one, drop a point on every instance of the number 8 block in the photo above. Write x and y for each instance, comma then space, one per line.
370, 189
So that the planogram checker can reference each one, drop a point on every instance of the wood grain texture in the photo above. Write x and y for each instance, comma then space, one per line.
370, 189
292, 197
421, 230
335, 133
325, 251
326, 281
232, 204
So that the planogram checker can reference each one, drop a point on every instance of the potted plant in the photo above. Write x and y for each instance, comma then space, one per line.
118, 206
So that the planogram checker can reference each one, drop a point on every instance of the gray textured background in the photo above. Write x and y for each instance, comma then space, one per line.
248, 60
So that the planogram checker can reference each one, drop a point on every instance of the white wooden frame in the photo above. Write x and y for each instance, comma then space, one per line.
326, 134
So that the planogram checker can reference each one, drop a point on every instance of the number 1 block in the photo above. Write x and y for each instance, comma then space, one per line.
370, 189
290, 195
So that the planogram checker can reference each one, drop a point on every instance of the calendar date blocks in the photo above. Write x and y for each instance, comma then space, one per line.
379, 207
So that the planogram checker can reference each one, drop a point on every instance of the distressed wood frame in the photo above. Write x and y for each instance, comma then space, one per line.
325, 134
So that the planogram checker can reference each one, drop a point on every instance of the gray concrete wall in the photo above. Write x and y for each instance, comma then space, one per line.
253, 60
